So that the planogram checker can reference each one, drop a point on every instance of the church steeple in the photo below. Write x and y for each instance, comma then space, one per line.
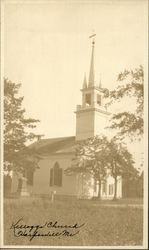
100, 85
91, 81
91, 116
84, 82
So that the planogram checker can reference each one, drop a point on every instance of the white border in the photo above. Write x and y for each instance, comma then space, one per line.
145, 217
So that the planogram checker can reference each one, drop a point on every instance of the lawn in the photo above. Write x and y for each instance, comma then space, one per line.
106, 223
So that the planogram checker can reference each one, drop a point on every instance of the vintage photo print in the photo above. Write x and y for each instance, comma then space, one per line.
74, 120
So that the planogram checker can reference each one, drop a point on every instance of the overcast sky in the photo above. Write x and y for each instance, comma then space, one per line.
47, 49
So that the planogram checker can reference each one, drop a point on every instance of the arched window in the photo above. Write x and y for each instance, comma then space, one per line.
56, 175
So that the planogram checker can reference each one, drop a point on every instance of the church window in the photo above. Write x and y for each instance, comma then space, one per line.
56, 175
111, 189
88, 99
99, 100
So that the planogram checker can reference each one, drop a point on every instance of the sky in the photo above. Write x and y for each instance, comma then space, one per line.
47, 49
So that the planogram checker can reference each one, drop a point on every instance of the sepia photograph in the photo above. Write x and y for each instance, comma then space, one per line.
74, 120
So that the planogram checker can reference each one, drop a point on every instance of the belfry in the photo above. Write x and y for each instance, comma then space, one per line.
91, 116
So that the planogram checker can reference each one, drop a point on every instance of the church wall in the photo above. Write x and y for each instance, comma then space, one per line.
82, 186
84, 125
42, 176
101, 121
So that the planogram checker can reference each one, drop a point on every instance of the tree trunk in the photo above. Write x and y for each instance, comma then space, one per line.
99, 190
115, 193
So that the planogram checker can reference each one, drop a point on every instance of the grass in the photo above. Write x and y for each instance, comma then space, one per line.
104, 225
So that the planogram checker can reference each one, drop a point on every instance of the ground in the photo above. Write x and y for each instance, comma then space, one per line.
106, 223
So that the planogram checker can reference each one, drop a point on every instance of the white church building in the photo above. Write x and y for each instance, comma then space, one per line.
57, 153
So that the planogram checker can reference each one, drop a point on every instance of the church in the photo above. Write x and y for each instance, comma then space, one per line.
57, 153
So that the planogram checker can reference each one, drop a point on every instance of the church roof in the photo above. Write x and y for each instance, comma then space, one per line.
54, 145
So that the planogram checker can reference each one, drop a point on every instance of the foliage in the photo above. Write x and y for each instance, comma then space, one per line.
120, 162
89, 158
131, 85
101, 157
119, 159
17, 131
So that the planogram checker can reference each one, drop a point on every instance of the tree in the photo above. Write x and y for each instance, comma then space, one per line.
89, 158
131, 85
120, 162
102, 157
17, 131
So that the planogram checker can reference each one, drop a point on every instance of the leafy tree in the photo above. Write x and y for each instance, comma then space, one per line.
102, 157
120, 161
17, 131
89, 158
131, 85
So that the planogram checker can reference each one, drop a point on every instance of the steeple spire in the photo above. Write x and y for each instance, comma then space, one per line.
100, 85
84, 82
92, 74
